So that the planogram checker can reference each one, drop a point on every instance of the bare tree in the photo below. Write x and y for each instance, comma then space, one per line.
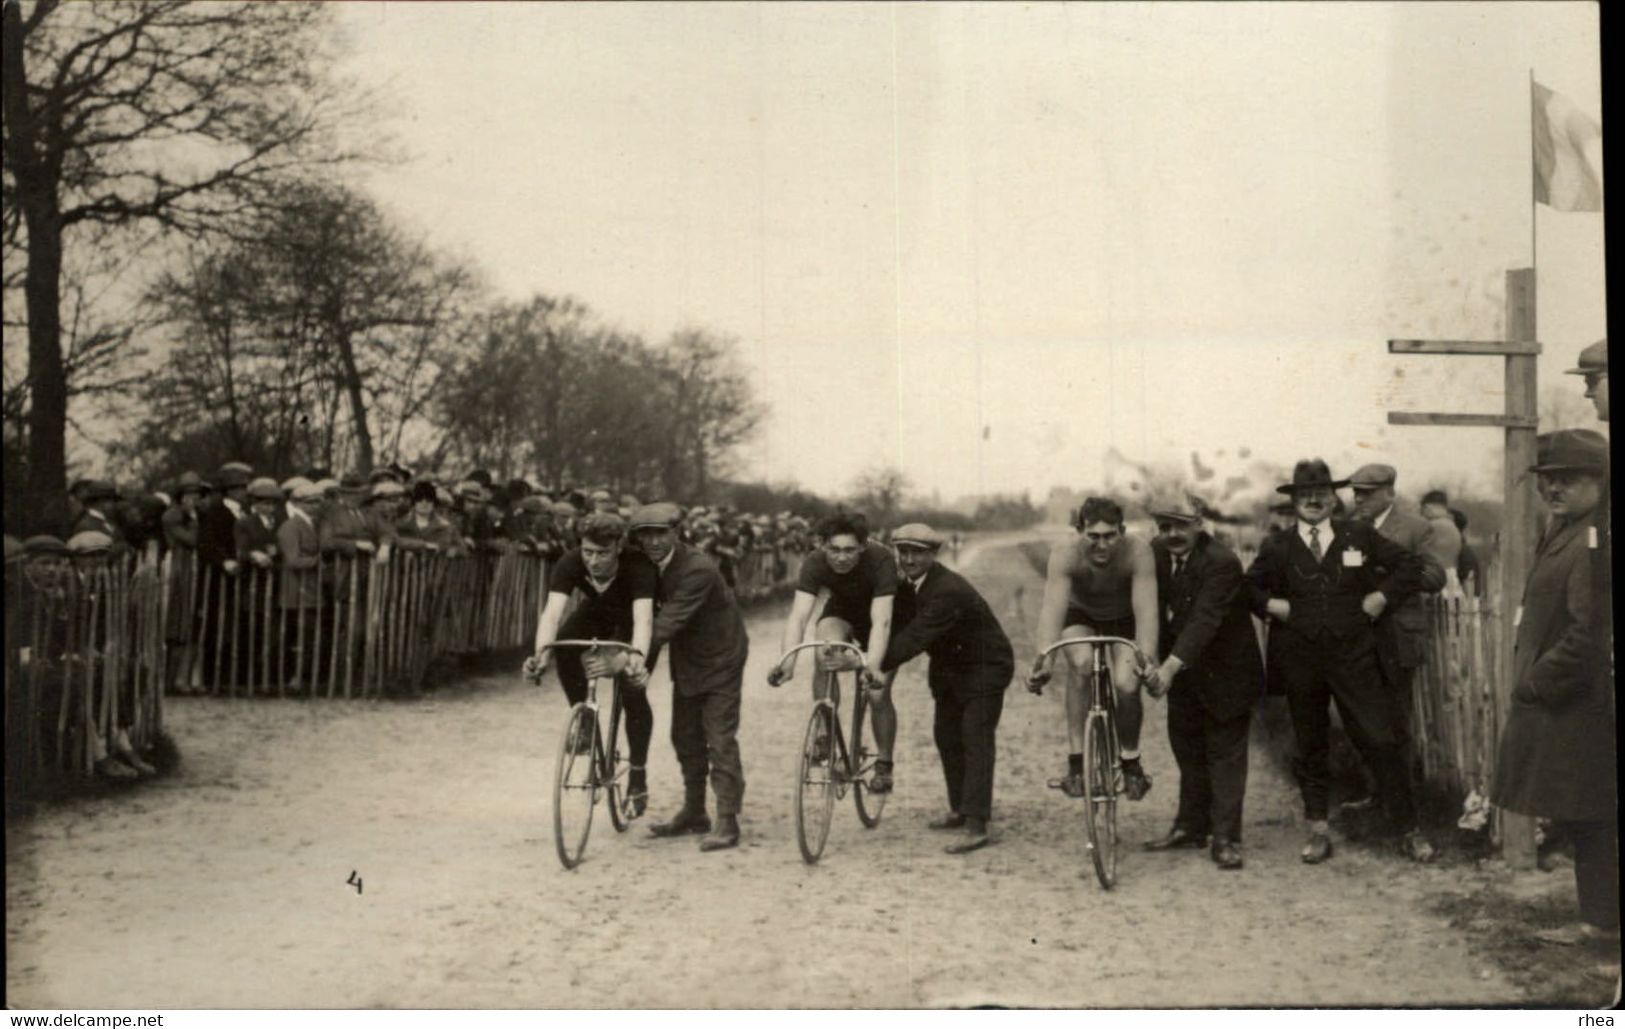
879, 493
167, 113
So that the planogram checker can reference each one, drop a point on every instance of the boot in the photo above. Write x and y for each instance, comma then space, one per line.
725, 836
691, 818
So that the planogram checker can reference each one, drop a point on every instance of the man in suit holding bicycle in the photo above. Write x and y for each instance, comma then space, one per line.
1211, 671
696, 613
940, 614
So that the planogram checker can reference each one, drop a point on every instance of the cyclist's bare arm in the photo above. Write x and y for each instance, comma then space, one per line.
795, 628
547, 623
643, 619
1057, 591
1143, 598
879, 632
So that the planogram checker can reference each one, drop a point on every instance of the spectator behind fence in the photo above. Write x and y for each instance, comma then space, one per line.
299, 542
1447, 539
1557, 756
1469, 571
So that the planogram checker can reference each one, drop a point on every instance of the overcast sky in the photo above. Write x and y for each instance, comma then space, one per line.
985, 243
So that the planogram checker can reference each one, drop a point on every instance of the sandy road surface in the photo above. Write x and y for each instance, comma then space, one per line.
225, 885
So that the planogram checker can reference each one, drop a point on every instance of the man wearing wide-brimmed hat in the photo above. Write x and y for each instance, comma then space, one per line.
1593, 366
100, 499
1557, 754
1323, 584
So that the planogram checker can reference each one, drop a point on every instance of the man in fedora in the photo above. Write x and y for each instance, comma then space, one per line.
1593, 365
696, 614
1211, 672
1320, 585
1557, 756
940, 614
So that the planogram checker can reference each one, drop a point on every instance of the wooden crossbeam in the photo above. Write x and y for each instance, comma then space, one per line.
1493, 421
1463, 346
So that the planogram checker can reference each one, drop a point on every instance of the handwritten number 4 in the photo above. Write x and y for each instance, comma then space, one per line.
354, 880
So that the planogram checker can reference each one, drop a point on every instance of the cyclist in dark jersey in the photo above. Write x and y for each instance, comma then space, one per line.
616, 587
1102, 583
859, 578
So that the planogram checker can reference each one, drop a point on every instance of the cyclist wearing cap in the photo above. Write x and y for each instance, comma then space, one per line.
1102, 583
617, 588
858, 578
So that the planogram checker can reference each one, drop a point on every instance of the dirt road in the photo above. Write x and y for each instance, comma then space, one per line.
225, 885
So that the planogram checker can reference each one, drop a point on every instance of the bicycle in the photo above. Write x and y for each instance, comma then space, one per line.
1103, 776
828, 768
584, 768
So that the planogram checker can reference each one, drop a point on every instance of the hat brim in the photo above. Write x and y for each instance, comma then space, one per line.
1178, 516
1589, 469
1292, 487
639, 526
916, 544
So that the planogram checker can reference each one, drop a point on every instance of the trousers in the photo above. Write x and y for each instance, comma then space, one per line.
964, 729
1596, 870
1212, 758
705, 734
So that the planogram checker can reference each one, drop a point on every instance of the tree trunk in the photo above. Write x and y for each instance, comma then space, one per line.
47, 379
358, 404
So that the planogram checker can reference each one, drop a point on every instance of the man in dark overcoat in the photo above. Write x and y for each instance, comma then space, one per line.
1319, 583
1212, 673
938, 613
1557, 752
695, 612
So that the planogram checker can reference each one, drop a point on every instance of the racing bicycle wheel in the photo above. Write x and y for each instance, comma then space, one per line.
815, 782
1100, 805
864, 754
575, 784
613, 770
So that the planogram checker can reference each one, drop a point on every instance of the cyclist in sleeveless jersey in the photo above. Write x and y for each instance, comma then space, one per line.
1101, 583
859, 578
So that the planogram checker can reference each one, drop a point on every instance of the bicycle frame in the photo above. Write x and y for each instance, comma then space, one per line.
603, 767
833, 699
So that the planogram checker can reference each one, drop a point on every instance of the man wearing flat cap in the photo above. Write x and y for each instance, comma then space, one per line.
1403, 628
101, 501
696, 614
299, 542
937, 612
1320, 585
1557, 751
1211, 672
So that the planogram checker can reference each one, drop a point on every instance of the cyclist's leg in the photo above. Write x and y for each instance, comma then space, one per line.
830, 629
883, 716
1077, 676
1127, 686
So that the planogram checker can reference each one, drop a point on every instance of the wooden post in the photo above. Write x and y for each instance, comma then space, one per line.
1517, 538
1518, 520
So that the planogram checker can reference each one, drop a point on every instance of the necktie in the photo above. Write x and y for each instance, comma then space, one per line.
1179, 566
1314, 542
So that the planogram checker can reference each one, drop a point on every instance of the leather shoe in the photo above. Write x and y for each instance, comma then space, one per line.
951, 820
1177, 839
685, 822
1226, 854
1317, 849
726, 834
969, 842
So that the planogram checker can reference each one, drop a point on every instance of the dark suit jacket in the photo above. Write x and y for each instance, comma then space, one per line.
1208, 626
216, 535
301, 551
1326, 597
696, 614
950, 621
252, 534
1402, 629
1557, 752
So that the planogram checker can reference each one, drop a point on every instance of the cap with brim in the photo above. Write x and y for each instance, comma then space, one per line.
917, 534
1311, 473
352, 482
44, 545
422, 491
385, 490
234, 474
1373, 476
190, 482
1593, 359
264, 489
291, 484
306, 492
84, 544
1571, 450
533, 504
663, 515
327, 485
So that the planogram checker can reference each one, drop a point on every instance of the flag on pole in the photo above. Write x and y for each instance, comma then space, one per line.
1568, 150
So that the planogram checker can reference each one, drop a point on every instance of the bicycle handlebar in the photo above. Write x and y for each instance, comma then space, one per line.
1076, 640
611, 644
868, 680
